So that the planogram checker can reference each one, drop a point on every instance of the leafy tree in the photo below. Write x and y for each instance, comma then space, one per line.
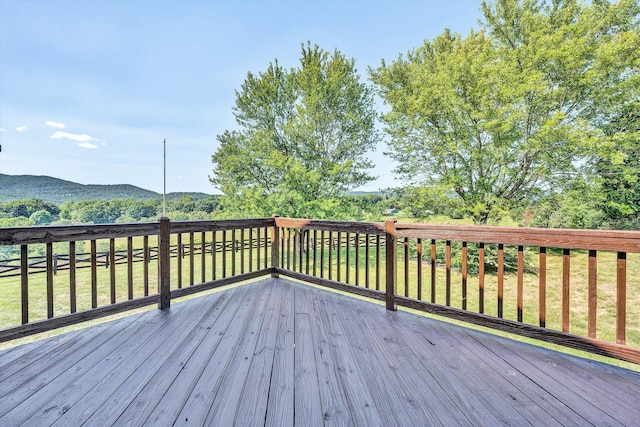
27, 207
41, 217
97, 212
184, 204
506, 113
208, 205
304, 134
619, 170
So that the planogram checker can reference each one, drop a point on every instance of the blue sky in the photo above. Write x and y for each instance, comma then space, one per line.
89, 89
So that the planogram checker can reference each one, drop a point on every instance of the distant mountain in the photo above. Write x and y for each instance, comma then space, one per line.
54, 190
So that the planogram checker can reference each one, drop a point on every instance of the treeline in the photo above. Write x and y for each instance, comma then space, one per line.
568, 210
33, 212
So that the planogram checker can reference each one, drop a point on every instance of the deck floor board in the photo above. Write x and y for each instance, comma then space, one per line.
275, 352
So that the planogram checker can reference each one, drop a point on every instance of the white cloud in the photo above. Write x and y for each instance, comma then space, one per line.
21, 128
2, 130
86, 145
55, 124
74, 137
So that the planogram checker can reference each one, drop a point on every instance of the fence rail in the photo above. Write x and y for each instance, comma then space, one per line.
577, 288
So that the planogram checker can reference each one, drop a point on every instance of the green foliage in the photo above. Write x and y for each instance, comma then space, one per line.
41, 218
303, 138
504, 114
27, 207
619, 170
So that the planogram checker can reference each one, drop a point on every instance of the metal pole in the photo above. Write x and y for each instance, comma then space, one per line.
164, 188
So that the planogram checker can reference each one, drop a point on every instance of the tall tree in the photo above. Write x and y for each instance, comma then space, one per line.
618, 168
303, 138
507, 112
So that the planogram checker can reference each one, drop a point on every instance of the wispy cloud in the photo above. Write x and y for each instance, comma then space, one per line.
21, 128
86, 145
55, 124
2, 130
74, 137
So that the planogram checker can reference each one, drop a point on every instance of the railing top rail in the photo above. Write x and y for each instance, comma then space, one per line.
224, 224
343, 226
68, 233
604, 240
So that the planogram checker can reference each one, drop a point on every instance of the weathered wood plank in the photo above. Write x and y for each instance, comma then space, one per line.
308, 409
280, 406
183, 366
167, 359
107, 375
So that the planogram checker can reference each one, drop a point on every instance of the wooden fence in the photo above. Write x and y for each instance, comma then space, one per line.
438, 269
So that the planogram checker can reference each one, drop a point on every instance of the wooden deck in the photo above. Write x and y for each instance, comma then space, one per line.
278, 353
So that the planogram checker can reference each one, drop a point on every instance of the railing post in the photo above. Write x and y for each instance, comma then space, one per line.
390, 244
275, 239
164, 286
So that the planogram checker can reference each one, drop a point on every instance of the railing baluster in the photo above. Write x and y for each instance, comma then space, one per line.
251, 249
433, 271
111, 261
72, 277
566, 295
24, 282
357, 259
203, 257
242, 251
191, 259
500, 279
130, 267
377, 263
339, 246
621, 298
94, 275
542, 275
180, 256
330, 254
234, 252
322, 253
406, 266
348, 256
289, 251
367, 254
593, 294
419, 266
464, 275
224, 254
49, 280
214, 254
315, 253
145, 266
481, 278
273, 243
308, 250
520, 283
448, 273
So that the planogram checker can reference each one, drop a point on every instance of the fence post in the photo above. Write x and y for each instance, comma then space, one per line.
164, 259
275, 241
390, 245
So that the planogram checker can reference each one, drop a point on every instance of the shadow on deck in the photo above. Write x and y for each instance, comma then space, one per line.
279, 353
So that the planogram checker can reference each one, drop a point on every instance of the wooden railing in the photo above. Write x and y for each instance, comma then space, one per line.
577, 288
191, 257
562, 298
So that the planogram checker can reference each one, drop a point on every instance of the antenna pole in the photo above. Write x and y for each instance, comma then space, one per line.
164, 188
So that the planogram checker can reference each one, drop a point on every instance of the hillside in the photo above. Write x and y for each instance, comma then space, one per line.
54, 190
